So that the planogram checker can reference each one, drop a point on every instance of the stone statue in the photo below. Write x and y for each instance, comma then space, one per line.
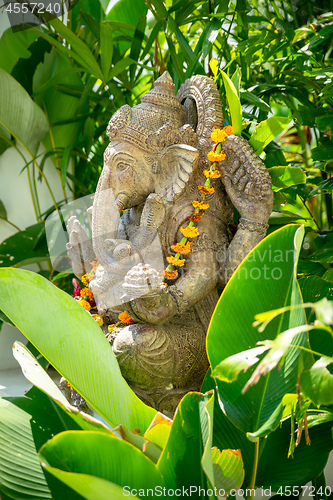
153, 166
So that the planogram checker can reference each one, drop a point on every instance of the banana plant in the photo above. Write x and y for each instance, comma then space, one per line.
220, 440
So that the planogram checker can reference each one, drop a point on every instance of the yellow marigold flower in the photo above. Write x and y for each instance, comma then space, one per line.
170, 275
85, 279
111, 328
181, 248
98, 319
206, 190
212, 174
216, 156
228, 130
189, 232
218, 135
86, 293
175, 262
84, 304
200, 204
125, 318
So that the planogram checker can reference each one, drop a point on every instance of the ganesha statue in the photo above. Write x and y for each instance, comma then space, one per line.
153, 166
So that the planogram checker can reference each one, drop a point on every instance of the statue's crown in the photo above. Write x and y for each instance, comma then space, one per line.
156, 122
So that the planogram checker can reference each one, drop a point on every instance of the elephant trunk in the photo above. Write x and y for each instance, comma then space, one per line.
105, 221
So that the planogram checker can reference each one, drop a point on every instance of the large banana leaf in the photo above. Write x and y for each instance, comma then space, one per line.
264, 281
19, 115
72, 342
25, 425
106, 457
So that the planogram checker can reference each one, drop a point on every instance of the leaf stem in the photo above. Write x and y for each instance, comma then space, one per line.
311, 214
254, 469
11, 223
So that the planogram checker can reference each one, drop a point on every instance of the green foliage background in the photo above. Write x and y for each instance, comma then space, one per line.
59, 85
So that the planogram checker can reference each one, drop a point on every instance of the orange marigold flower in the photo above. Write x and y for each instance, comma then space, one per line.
125, 318
85, 279
84, 304
98, 319
170, 275
189, 232
218, 135
175, 262
212, 174
181, 248
86, 293
216, 156
206, 190
228, 130
200, 204
111, 328
195, 217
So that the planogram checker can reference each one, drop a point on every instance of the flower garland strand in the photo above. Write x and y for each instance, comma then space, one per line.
85, 298
190, 231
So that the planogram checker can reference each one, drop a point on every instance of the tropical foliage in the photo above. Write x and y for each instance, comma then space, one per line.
272, 63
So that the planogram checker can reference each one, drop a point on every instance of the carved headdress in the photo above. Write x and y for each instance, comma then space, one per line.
157, 122
163, 119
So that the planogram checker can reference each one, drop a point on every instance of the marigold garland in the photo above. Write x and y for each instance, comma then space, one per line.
206, 190
175, 262
181, 248
125, 318
190, 231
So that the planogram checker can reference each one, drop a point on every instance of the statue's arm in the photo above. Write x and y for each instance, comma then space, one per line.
199, 278
248, 185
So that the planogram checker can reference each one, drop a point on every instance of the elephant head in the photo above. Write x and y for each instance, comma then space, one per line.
154, 150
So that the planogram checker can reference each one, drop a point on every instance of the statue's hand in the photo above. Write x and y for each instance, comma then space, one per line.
246, 180
79, 248
154, 308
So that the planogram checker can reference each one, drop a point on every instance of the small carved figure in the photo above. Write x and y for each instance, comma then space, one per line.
153, 166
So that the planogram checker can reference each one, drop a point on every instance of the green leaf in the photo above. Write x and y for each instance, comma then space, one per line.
90, 487
317, 383
3, 212
14, 46
283, 177
185, 448
289, 401
324, 152
65, 328
104, 456
127, 11
26, 424
64, 165
119, 67
21, 249
234, 104
255, 100
266, 131
19, 115
20, 471
229, 369
106, 49
275, 469
78, 48
34, 372
265, 280
58, 70
236, 79
214, 66
228, 469
324, 311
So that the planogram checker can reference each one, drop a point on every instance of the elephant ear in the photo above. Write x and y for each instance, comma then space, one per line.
178, 162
